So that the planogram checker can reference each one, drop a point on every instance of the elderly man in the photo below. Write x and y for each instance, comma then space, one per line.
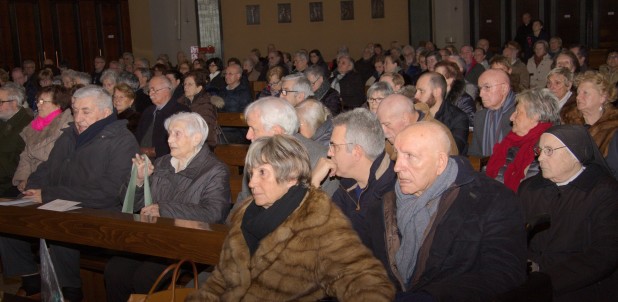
581, 52
99, 66
142, 99
447, 232
484, 44
322, 90
348, 83
520, 74
13, 118
356, 155
269, 116
151, 133
555, 46
89, 163
431, 90
235, 94
275, 58
473, 69
493, 123
301, 61
295, 88
396, 112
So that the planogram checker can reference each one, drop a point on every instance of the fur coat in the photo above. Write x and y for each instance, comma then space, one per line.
314, 253
602, 131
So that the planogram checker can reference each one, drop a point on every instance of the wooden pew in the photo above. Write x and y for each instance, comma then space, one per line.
233, 154
257, 87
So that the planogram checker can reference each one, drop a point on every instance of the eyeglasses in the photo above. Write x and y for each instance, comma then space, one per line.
333, 145
285, 92
488, 87
548, 151
374, 100
316, 80
42, 101
155, 91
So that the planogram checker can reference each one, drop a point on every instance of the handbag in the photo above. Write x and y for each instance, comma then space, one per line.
129, 197
171, 294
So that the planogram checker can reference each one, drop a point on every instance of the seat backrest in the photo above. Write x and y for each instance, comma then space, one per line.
231, 119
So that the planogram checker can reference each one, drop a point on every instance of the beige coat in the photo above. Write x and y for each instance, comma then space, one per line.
39, 145
312, 254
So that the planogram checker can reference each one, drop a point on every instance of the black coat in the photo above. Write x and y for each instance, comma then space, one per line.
477, 249
332, 101
93, 173
579, 251
456, 121
458, 97
159, 134
352, 90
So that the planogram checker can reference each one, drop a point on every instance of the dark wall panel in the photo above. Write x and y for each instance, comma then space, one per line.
568, 16
28, 33
608, 23
66, 33
490, 21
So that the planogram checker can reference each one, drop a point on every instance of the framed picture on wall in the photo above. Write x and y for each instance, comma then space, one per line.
315, 12
377, 9
253, 14
347, 10
284, 13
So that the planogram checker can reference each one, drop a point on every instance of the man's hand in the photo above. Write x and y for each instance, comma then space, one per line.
34, 194
325, 168
151, 210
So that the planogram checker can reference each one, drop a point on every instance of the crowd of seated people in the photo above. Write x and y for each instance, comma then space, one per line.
387, 141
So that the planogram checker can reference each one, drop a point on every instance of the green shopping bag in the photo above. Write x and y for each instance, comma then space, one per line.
129, 197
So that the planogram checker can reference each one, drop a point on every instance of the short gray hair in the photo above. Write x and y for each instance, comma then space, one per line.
145, 72
380, 87
302, 54
109, 74
129, 79
313, 113
195, 124
275, 111
362, 128
102, 98
301, 83
82, 78
15, 92
563, 71
314, 70
540, 103
285, 154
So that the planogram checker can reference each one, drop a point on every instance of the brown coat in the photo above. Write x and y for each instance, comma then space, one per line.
38, 145
602, 131
202, 105
314, 253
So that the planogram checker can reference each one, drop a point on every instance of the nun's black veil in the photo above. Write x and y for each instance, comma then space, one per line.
580, 143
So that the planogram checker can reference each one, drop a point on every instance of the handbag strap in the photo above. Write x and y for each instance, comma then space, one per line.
129, 197
175, 276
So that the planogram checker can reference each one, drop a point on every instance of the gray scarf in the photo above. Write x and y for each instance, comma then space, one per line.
413, 216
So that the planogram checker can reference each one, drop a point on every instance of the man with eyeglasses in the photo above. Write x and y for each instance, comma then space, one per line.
492, 123
431, 90
295, 88
356, 155
13, 118
322, 90
151, 133
348, 82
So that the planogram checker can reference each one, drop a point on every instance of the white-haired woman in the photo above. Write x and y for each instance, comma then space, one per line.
189, 183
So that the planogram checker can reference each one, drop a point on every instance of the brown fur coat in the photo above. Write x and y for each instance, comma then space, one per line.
602, 131
314, 253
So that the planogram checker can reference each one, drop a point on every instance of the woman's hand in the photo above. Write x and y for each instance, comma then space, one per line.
34, 194
139, 161
21, 186
151, 210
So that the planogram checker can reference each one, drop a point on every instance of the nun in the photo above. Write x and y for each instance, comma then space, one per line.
577, 256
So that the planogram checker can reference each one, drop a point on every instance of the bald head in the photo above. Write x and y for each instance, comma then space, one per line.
494, 86
430, 133
395, 113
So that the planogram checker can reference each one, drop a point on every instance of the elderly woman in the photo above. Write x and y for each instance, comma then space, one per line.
513, 158
109, 79
273, 78
184, 67
595, 109
46, 77
539, 64
578, 254
290, 242
560, 83
393, 64
248, 67
567, 59
189, 183
199, 101
123, 98
315, 121
378, 65
42, 133
376, 93
455, 89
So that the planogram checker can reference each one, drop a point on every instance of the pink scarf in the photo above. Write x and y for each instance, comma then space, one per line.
39, 123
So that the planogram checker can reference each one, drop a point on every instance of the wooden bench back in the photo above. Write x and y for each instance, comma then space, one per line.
231, 119
233, 155
257, 87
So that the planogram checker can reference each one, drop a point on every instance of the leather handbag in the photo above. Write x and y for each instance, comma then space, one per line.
129, 197
172, 293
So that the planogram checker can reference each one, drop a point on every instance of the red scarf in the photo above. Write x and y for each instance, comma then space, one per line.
515, 170
39, 123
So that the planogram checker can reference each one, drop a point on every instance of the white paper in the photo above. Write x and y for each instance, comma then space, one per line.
59, 205
17, 202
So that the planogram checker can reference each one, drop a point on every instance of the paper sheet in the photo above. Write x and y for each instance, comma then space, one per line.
60, 205
17, 202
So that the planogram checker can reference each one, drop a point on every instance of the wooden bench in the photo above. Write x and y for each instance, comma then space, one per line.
597, 57
257, 87
234, 156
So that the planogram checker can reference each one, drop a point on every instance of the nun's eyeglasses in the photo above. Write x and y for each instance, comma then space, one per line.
547, 150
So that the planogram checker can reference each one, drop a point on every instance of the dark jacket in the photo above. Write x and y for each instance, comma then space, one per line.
323, 133
579, 251
11, 146
365, 68
352, 90
236, 99
382, 178
456, 121
475, 248
93, 173
200, 192
132, 118
159, 134
218, 82
476, 147
201, 104
332, 101
142, 100
458, 97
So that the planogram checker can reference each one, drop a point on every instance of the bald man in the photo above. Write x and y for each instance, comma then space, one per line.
453, 233
492, 124
397, 112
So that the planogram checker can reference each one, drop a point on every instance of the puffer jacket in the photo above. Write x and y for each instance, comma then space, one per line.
314, 253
